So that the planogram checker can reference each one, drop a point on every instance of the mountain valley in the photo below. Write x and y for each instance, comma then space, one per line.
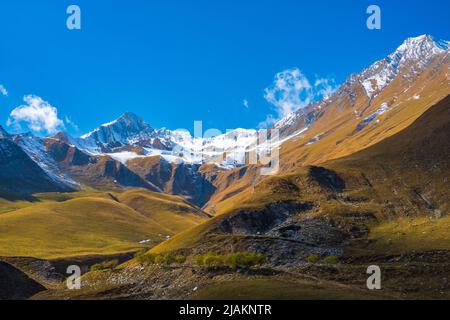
363, 180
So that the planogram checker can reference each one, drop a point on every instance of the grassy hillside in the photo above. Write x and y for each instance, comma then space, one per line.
58, 227
283, 289
173, 213
411, 234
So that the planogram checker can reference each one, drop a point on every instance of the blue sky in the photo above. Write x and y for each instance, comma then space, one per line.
174, 62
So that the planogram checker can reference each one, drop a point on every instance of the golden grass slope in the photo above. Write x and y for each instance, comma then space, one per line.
94, 225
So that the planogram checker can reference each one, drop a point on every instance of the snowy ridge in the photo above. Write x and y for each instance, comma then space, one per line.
127, 129
129, 137
117, 138
414, 53
35, 149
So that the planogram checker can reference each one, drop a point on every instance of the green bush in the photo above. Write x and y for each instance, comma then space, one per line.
313, 258
235, 260
331, 260
168, 259
213, 261
180, 259
244, 260
199, 260
105, 265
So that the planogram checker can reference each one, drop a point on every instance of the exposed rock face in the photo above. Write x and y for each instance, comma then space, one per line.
67, 154
176, 178
261, 221
327, 179
93, 170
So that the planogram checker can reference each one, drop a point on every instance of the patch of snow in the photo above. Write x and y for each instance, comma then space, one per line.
384, 108
35, 149
315, 139
124, 157
414, 52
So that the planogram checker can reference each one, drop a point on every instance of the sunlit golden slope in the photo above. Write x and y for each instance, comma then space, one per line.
94, 225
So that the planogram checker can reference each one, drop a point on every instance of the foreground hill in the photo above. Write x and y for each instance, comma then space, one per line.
94, 224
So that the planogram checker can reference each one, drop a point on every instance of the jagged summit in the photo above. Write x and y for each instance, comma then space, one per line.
124, 130
425, 42
408, 60
421, 48
129, 118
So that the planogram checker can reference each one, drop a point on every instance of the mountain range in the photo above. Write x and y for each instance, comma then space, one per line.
362, 180
128, 152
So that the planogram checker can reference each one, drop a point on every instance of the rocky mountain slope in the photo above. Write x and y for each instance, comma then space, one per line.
20, 175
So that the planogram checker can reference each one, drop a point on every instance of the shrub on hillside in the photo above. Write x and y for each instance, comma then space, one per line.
180, 259
105, 265
331, 260
313, 258
243, 260
169, 259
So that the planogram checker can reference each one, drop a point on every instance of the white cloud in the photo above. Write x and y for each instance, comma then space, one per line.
325, 87
38, 115
3, 90
72, 124
245, 103
291, 91
268, 122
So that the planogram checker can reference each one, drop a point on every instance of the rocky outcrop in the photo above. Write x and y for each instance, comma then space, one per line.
190, 180
261, 221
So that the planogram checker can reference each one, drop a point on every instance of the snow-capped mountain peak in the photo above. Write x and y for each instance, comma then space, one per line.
126, 129
412, 56
419, 48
